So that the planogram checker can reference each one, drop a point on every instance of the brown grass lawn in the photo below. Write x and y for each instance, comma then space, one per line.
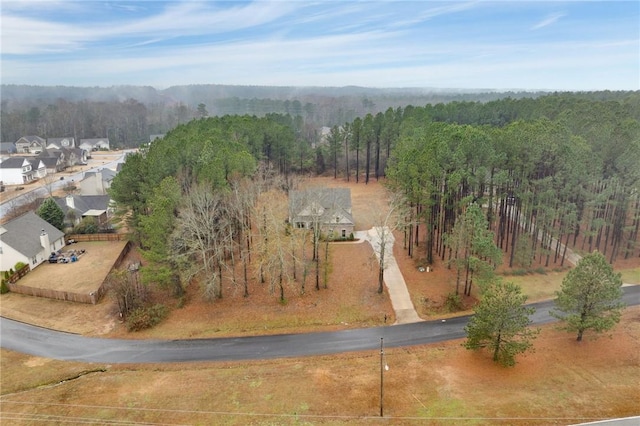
562, 382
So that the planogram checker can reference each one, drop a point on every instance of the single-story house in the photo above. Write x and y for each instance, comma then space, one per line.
19, 170
59, 143
7, 148
97, 183
90, 145
77, 207
330, 208
30, 145
28, 239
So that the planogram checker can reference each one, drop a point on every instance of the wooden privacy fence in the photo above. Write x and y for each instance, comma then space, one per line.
91, 298
81, 238
19, 274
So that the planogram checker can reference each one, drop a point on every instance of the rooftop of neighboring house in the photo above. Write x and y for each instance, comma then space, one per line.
332, 200
8, 147
107, 174
83, 203
49, 162
68, 142
33, 138
23, 233
13, 163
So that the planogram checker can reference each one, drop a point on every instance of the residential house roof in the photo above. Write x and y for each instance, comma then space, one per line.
107, 174
68, 142
23, 233
326, 202
51, 152
8, 147
50, 162
13, 163
81, 204
36, 163
34, 138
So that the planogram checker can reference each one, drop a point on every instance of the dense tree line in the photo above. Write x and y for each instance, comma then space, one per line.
543, 174
208, 202
558, 171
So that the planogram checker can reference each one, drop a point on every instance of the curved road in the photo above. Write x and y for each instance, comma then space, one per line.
47, 343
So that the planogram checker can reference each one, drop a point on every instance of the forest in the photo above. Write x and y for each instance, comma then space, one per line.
516, 174
128, 115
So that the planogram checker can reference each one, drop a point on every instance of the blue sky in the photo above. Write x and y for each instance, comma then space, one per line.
548, 45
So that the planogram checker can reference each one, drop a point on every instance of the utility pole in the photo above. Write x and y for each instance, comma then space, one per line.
381, 376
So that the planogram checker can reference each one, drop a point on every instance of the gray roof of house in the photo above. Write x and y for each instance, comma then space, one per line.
9, 147
23, 233
331, 199
12, 163
33, 138
52, 152
107, 174
84, 203
49, 162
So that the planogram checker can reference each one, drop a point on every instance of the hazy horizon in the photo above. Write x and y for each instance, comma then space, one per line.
452, 45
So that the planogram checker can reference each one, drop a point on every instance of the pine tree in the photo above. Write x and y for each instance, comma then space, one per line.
501, 323
50, 211
590, 297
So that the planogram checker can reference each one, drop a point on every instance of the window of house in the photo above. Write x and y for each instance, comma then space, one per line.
34, 260
344, 233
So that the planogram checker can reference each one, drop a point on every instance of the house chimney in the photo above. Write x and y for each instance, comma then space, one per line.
44, 241
69, 201
99, 184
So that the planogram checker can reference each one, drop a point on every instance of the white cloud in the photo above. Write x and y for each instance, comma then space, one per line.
551, 19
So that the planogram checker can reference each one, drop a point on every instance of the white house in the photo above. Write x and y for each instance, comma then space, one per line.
28, 239
59, 143
30, 145
94, 144
19, 170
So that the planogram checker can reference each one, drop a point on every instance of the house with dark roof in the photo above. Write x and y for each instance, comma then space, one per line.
30, 145
28, 239
329, 208
7, 148
77, 207
97, 183
19, 170
53, 159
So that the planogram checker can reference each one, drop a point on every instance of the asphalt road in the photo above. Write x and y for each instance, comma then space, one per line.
47, 343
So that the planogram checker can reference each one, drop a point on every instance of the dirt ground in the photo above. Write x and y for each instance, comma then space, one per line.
85, 275
561, 382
